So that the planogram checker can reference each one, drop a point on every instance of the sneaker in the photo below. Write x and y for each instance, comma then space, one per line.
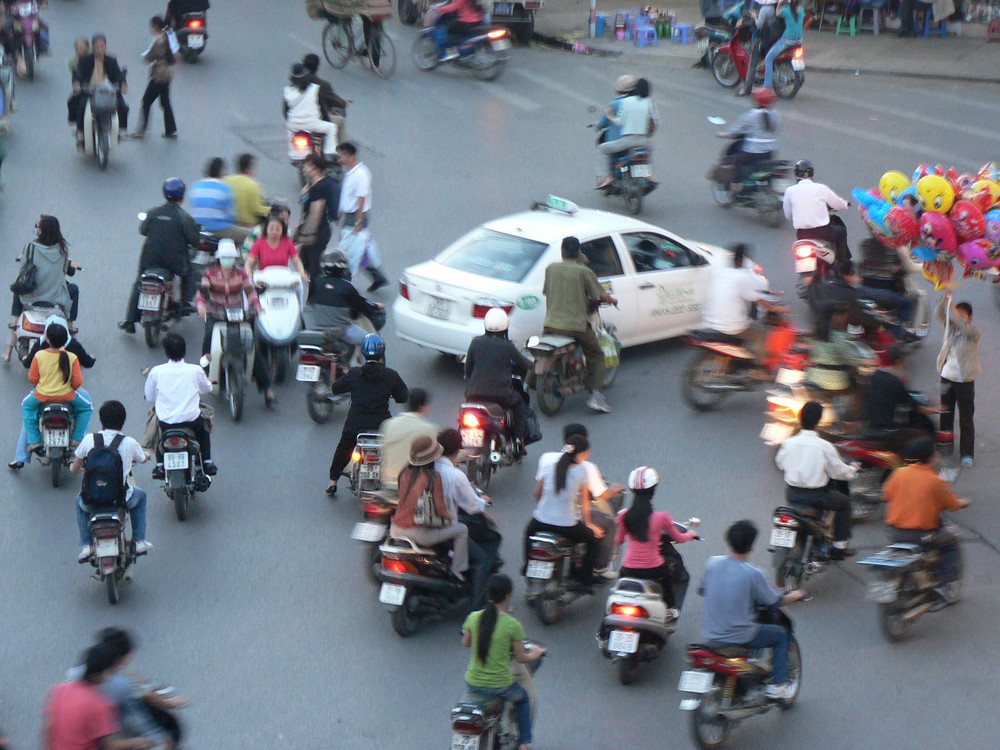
209, 468
597, 402
967, 462
85, 554
143, 546
15, 465
127, 325
378, 284
836, 553
780, 692
606, 573
170, 135
673, 613
138, 135
158, 472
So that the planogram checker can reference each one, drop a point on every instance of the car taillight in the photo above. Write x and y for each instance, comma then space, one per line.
799, 52
404, 289
195, 23
497, 33
301, 142
629, 610
398, 566
470, 420
543, 553
371, 509
466, 726
804, 251
483, 306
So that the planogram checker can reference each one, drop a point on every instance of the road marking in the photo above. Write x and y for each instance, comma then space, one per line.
547, 83
300, 40
515, 100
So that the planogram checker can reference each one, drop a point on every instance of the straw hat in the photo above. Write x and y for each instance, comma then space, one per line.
424, 450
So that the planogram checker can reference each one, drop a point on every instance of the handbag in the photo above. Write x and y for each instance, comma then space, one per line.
534, 431
27, 278
425, 510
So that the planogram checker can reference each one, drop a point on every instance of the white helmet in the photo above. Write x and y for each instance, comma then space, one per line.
643, 478
496, 320
227, 249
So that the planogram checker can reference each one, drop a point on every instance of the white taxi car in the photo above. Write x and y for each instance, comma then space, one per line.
659, 279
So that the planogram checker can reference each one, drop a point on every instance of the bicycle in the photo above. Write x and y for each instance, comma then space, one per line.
339, 46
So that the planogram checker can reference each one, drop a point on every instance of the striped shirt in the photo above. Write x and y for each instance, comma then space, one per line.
212, 204
219, 293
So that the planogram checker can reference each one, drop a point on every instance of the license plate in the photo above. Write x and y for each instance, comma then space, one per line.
641, 170
465, 741
702, 46
805, 265
392, 593
790, 377
780, 186
883, 592
473, 438
501, 44
783, 537
369, 471
106, 548
438, 307
623, 641
540, 569
775, 433
503, 9
57, 438
368, 532
196, 41
203, 258
696, 681
798, 63
149, 302
308, 373
278, 303
176, 460
235, 314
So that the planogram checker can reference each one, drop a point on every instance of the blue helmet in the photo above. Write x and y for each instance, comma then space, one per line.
373, 346
173, 189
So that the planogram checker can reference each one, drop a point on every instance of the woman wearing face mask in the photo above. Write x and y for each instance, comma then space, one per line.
224, 286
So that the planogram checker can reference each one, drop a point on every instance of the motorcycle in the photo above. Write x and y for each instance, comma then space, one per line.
30, 327
801, 540
323, 358
114, 549
278, 325
486, 722
637, 621
158, 305
709, 38
486, 53
100, 122
184, 473
232, 358
56, 423
6, 90
191, 36
906, 584
731, 62
551, 587
304, 143
26, 31
377, 509
486, 436
418, 585
560, 368
762, 190
728, 683
630, 175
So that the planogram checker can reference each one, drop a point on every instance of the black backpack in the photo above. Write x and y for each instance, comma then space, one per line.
104, 474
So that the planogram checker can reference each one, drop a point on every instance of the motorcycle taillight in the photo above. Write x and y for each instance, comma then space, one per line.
376, 510
543, 553
149, 287
27, 325
371, 457
466, 726
640, 158
104, 532
56, 423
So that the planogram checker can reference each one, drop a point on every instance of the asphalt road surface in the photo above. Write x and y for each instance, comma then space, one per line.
257, 607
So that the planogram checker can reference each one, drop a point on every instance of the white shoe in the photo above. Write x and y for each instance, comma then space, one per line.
606, 573
673, 613
85, 554
205, 362
780, 692
142, 547
597, 402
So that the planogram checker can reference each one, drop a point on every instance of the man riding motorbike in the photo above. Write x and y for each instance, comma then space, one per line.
213, 203
807, 205
92, 70
887, 400
754, 136
302, 111
169, 231
335, 303
811, 466
332, 108
177, 9
458, 20
845, 287
399, 432
490, 365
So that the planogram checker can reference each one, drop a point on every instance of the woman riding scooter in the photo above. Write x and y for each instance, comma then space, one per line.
754, 136
458, 20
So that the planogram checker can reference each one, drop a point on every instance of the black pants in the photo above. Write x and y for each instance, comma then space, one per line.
369, 26
480, 566
942, 540
261, 375
187, 294
660, 575
310, 253
518, 410
81, 111
746, 163
348, 439
826, 499
201, 434
17, 307
962, 396
578, 534
835, 234
156, 90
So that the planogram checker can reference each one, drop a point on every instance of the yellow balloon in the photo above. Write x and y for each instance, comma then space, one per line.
994, 187
935, 193
891, 184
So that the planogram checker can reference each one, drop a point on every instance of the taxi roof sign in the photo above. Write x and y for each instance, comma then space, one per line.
556, 203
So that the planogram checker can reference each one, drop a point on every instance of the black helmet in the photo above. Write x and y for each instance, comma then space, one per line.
804, 169
333, 263
173, 189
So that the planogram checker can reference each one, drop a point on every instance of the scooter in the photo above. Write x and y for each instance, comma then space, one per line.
550, 584
377, 509
26, 30
731, 62
100, 123
303, 143
232, 358
56, 423
114, 549
6, 90
184, 473
278, 324
191, 36
323, 358
631, 171
30, 327
485, 53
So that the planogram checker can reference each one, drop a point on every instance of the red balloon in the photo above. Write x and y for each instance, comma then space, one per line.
968, 220
903, 226
983, 199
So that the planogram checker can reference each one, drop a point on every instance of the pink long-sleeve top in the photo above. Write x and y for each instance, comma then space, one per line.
647, 554
468, 11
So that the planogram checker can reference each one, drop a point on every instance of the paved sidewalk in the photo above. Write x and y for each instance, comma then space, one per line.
967, 56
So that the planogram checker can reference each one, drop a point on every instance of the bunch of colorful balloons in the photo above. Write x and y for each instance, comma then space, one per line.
941, 215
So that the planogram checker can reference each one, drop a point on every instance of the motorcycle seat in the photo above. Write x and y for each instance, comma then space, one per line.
487, 705
159, 274
637, 586
548, 537
494, 410
802, 511
723, 649
710, 334
102, 516
57, 407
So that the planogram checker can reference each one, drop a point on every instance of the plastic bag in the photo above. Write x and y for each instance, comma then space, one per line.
610, 348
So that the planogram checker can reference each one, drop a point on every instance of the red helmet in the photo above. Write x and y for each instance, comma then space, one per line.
763, 97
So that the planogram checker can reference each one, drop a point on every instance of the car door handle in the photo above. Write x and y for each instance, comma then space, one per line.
646, 286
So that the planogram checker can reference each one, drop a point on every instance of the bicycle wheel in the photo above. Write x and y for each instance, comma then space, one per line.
336, 44
382, 48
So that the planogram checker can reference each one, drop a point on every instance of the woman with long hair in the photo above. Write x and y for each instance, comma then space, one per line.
637, 118
495, 636
794, 15
642, 527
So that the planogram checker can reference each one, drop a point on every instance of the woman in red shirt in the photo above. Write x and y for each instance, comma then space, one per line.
275, 248
458, 21
642, 527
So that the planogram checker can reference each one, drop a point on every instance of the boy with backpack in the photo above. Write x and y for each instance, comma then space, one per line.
105, 459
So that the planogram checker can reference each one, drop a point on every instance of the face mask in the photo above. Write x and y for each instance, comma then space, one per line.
227, 263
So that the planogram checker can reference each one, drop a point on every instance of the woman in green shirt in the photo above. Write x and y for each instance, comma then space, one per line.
494, 636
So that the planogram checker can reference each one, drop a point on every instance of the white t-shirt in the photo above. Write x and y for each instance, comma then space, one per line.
729, 297
303, 106
130, 451
558, 508
175, 387
357, 185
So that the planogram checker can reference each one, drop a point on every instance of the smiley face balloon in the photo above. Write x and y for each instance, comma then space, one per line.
991, 186
892, 183
978, 254
992, 231
935, 193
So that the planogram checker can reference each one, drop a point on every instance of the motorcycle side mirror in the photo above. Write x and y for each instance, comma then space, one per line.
141, 216
716, 120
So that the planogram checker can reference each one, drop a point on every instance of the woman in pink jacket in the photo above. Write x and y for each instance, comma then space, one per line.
457, 22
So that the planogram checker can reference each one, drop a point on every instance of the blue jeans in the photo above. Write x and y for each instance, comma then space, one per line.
517, 695
776, 49
776, 638
83, 407
136, 509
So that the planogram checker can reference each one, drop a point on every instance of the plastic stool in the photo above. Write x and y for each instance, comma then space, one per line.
645, 34
682, 32
601, 22
929, 26
847, 24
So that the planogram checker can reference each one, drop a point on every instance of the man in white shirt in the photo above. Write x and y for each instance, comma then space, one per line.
355, 214
399, 433
807, 205
112, 415
810, 463
727, 304
175, 389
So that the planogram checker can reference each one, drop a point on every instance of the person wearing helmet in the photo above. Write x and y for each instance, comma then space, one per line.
335, 303
807, 205
169, 231
642, 528
371, 386
754, 135
490, 366
794, 15
609, 130
225, 286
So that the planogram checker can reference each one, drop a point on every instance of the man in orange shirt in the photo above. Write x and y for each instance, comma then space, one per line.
916, 496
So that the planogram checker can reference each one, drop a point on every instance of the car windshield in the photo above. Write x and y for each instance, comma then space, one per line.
494, 254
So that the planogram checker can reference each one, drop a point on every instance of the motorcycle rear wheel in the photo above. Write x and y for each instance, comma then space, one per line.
102, 145
794, 672
788, 568
549, 607
721, 194
628, 669
632, 194
866, 493
151, 332
404, 619
179, 497
487, 65
696, 396
480, 471
373, 562
891, 624
319, 407
408, 11
709, 728
278, 358
787, 82
111, 584
724, 70
773, 216
57, 470
29, 62
424, 52
550, 397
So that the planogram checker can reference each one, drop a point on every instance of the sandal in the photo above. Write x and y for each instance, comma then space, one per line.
331, 490
15, 465
7, 353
